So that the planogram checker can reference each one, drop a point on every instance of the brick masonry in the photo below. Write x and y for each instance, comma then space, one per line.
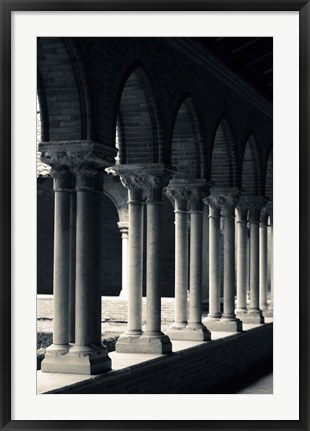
213, 367
112, 308
85, 84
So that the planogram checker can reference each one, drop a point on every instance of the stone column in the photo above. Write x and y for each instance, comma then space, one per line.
177, 193
128, 342
254, 314
123, 227
153, 340
56, 352
72, 267
263, 267
242, 259
229, 320
88, 356
226, 200
214, 260
196, 330
141, 180
269, 312
205, 256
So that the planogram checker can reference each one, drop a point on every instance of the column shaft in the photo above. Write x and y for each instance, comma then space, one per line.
195, 279
61, 268
242, 262
84, 270
229, 266
153, 270
135, 267
263, 268
72, 267
254, 266
205, 255
181, 267
123, 227
271, 265
214, 263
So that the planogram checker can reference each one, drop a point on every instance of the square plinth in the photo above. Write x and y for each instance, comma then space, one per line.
268, 313
254, 317
143, 344
189, 334
223, 325
77, 363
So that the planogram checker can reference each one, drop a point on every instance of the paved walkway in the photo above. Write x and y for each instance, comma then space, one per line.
264, 385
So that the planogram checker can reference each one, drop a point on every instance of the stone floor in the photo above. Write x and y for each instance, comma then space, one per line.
264, 385
49, 381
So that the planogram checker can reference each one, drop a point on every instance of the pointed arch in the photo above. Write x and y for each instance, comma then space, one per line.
61, 89
223, 160
186, 143
138, 118
251, 168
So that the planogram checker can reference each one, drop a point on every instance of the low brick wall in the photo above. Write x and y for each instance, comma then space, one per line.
218, 366
113, 308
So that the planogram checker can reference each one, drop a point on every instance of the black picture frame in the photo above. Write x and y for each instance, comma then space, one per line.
6, 8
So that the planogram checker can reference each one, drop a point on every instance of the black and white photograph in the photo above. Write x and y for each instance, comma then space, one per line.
154, 212
154, 215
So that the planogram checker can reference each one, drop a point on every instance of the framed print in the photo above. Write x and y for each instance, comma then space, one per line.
147, 149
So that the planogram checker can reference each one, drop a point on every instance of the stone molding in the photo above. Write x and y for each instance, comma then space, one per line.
264, 214
144, 181
269, 208
177, 193
74, 154
85, 178
255, 205
153, 186
197, 191
224, 199
63, 181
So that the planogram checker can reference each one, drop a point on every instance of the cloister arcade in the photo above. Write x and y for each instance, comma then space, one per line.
162, 166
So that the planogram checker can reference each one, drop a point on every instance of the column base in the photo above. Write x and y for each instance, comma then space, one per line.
156, 344
253, 316
224, 324
240, 313
78, 360
189, 333
268, 313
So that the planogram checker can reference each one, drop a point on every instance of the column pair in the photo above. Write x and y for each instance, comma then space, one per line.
123, 228
144, 183
188, 269
251, 209
87, 355
222, 202
266, 262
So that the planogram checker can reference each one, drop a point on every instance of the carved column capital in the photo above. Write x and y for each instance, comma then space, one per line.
225, 200
255, 205
264, 214
143, 179
269, 208
196, 192
78, 152
62, 179
123, 228
135, 185
177, 193
153, 186
84, 178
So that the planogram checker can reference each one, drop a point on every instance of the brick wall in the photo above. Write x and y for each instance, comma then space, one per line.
214, 367
112, 308
150, 77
